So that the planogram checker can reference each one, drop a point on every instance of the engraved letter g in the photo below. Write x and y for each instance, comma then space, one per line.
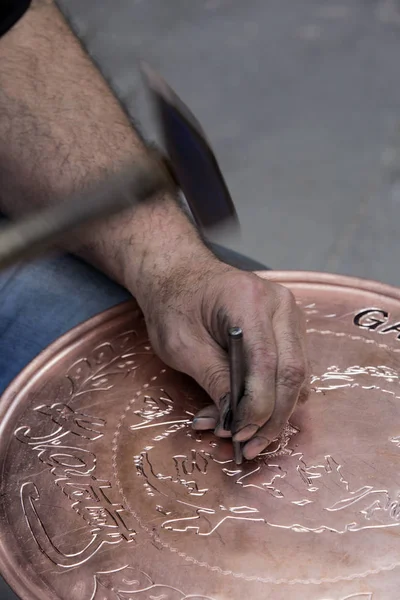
367, 319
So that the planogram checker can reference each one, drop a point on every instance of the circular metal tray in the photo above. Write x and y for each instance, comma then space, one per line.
107, 493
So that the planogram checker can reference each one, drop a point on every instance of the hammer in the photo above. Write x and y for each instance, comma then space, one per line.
190, 165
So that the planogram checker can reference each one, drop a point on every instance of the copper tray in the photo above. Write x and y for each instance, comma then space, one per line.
107, 494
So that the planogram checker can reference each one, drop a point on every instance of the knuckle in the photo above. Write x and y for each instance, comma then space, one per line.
270, 362
286, 297
263, 357
252, 412
292, 375
254, 288
215, 377
287, 293
172, 344
261, 413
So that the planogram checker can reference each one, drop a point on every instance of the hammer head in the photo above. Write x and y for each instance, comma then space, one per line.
191, 159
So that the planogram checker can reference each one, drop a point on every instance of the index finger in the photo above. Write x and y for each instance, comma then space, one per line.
258, 402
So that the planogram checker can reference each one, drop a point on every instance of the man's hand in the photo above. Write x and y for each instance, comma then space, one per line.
188, 314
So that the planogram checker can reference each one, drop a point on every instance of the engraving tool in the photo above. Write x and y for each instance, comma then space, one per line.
236, 368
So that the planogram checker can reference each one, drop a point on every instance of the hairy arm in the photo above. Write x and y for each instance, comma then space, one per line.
61, 128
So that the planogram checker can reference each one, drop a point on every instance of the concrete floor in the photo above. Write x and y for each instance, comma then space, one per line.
301, 101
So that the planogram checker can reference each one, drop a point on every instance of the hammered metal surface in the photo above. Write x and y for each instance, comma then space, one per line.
107, 493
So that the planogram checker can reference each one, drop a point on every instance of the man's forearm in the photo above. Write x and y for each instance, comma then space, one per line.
60, 129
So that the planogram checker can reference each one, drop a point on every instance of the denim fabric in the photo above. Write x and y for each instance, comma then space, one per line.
43, 300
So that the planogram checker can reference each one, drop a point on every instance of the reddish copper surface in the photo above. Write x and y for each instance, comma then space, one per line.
107, 494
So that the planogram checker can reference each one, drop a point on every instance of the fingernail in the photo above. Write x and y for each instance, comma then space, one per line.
246, 433
204, 423
254, 447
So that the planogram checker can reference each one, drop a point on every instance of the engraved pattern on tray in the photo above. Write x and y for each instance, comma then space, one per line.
118, 493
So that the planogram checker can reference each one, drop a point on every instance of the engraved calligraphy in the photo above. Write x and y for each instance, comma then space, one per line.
105, 529
73, 468
109, 364
323, 493
68, 420
127, 582
184, 490
378, 320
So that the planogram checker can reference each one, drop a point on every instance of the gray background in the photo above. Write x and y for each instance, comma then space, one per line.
301, 101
